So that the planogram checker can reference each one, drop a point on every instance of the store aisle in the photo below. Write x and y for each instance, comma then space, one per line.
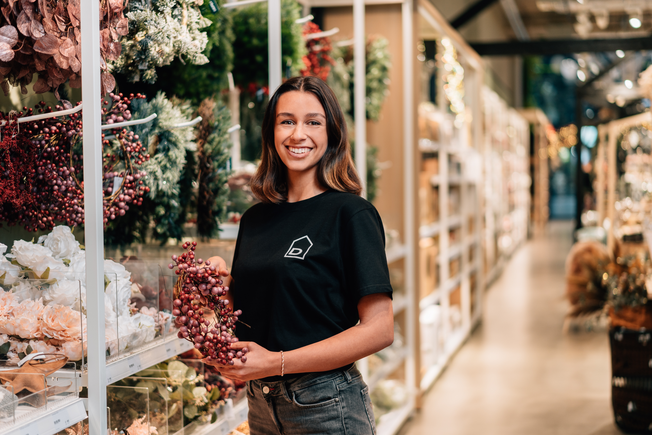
518, 373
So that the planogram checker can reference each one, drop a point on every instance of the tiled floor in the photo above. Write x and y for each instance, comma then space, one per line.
518, 373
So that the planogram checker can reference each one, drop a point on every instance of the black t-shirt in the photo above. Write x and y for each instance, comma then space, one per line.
299, 269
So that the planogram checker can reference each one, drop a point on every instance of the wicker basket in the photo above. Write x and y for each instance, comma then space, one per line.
631, 392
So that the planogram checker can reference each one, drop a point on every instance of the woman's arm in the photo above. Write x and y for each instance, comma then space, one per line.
374, 332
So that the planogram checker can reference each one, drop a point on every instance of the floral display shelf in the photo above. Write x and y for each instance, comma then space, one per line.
146, 356
60, 415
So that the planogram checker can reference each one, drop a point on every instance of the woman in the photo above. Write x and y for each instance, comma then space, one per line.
309, 274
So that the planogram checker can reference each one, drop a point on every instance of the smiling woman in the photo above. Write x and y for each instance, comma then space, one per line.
309, 274
304, 136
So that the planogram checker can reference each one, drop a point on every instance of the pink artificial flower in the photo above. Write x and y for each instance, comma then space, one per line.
43, 346
63, 323
25, 320
72, 349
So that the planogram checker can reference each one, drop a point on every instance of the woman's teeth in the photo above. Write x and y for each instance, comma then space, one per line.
299, 150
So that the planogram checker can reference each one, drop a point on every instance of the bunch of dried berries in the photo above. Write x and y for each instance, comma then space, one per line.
51, 184
199, 286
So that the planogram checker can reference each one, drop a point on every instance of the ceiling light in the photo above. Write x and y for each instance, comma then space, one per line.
581, 75
629, 84
620, 53
580, 2
635, 18
581, 62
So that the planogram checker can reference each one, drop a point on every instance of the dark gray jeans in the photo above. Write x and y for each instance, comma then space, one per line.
316, 403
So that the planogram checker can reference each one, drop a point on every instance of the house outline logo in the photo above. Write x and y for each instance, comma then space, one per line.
299, 248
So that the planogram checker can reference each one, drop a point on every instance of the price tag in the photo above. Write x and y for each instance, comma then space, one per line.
134, 365
170, 349
224, 428
214, 8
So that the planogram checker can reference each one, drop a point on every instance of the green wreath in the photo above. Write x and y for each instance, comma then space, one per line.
172, 153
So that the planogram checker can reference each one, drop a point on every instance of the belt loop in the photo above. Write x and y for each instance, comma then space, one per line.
347, 375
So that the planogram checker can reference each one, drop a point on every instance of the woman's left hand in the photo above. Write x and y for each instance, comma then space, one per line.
260, 363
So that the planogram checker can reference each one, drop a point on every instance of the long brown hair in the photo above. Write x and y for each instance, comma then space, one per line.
335, 170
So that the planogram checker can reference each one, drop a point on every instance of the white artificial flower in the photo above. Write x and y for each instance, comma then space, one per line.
119, 287
9, 271
35, 257
25, 291
61, 242
77, 267
144, 327
3, 248
65, 292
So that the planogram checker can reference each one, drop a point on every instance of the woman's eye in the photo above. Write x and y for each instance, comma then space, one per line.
314, 123
287, 122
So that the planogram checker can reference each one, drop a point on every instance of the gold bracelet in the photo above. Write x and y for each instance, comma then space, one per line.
282, 364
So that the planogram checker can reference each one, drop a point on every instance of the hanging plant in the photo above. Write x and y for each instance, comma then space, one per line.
43, 37
169, 148
251, 64
51, 177
377, 76
318, 61
159, 32
212, 159
196, 82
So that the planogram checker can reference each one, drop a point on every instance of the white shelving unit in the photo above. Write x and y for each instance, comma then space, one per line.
451, 284
507, 187
58, 417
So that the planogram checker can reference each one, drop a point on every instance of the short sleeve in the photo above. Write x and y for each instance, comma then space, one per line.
365, 262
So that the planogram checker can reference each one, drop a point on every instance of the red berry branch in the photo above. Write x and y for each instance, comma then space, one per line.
199, 286
42, 167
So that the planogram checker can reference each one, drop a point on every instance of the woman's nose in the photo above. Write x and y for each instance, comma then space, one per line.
298, 134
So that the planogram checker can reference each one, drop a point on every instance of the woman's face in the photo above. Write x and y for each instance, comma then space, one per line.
300, 134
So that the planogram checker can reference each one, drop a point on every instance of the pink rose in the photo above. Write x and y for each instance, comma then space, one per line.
43, 346
72, 349
7, 303
24, 322
63, 323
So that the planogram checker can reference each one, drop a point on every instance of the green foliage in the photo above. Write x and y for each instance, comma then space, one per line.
213, 155
196, 82
159, 32
251, 47
171, 152
377, 76
373, 171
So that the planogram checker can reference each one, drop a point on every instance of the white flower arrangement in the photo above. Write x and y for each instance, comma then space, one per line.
50, 275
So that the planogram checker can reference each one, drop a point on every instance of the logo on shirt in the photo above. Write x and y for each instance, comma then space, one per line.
299, 248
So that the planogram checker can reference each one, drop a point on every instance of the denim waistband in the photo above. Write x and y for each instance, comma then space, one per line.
306, 379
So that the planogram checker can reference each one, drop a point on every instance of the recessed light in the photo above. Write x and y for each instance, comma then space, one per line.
620, 53
629, 84
581, 75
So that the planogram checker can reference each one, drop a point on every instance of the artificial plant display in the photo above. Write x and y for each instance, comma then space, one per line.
44, 37
43, 301
43, 168
317, 61
159, 32
378, 63
212, 157
251, 63
196, 82
340, 80
170, 149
